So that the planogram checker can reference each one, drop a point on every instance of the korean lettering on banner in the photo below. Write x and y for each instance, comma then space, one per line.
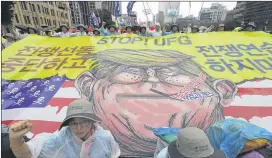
257, 58
31, 59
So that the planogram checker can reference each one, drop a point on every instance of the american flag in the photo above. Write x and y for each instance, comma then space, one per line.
253, 102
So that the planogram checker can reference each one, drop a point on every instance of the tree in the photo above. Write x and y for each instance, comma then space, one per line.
7, 12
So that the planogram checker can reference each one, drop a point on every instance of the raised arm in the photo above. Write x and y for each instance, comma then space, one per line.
17, 143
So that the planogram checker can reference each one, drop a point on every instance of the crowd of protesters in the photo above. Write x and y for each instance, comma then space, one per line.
81, 30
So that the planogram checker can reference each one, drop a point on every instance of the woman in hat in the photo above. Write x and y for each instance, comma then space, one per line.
191, 142
250, 27
64, 31
79, 135
174, 29
112, 30
31, 30
82, 30
9, 40
96, 32
195, 29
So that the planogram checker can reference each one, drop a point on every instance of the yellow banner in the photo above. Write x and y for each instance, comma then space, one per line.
237, 56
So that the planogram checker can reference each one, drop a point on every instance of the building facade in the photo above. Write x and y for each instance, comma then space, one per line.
76, 14
160, 17
185, 22
259, 12
38, 13
216, 13
170, 11
239, 11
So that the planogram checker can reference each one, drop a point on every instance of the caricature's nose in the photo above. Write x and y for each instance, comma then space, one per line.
152, 77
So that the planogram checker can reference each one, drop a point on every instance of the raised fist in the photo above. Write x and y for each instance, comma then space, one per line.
19, 129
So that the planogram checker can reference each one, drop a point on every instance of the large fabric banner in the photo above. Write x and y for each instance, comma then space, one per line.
140, 83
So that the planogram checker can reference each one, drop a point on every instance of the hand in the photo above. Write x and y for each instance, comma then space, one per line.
19, 129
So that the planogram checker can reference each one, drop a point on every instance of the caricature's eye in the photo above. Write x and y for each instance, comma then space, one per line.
173, 76
131, 75
178, 80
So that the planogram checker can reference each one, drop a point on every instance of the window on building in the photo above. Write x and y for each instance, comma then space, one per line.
28, 19
52, 12
33, 7
61, 15
41, 20
49, 22
25, 19
23, 5
66, 16
45, 21
30, 6
43, 9
16, 18
37, 20
54, 22
57, 13
39, 9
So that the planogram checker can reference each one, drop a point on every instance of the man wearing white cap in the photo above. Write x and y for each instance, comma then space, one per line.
157, 32
191, 142
78, 136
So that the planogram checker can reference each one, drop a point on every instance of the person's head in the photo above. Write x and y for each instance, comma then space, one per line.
31, 30
221, 27
112, 28
64, 28
195, 29
143, 30
120, 82
175, 28
96, 32
128, 29
81, 28
193, 142
80, 118
250, 27
9, 37
48, 33
157, 26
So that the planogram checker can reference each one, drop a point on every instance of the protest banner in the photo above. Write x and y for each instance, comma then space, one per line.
140, 83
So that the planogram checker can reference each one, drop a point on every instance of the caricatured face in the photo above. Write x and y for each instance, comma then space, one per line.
131, 98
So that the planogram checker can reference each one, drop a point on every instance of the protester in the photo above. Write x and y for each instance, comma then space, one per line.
96, 32
112, 30
64, 31
5, 147
191, 142
79, 136
157, 32
82, 30
195, 29
143, 31
221, 27
250, 27
174, 29
128, 30
9, 40
234, 136
31, 30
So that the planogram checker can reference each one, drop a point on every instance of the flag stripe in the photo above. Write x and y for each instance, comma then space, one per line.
247, 112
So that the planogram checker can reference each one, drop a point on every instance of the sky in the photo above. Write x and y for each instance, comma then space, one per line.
184, 8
